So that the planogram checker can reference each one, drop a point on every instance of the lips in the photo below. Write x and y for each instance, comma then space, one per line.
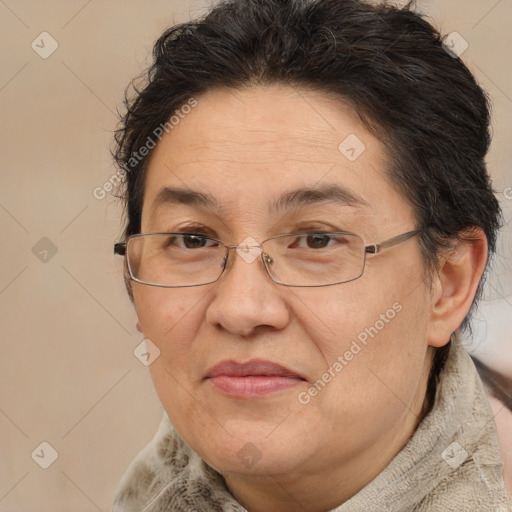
255, 378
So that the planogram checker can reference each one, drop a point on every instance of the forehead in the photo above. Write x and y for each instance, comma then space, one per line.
249, 148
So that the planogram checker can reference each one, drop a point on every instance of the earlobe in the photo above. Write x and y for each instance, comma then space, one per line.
456, 282
139, 327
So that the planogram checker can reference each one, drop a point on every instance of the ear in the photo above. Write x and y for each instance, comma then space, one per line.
139, 327
455, 284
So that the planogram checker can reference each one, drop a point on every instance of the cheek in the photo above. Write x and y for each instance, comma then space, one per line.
348, 314
373, 350
169, 317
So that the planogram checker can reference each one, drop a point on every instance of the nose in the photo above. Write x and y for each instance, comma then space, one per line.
245, 299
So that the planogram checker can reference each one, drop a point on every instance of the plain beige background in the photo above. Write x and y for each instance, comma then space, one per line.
68, 375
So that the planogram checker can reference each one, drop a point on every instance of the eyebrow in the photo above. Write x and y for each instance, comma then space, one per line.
299, 197
310, 196
169, 195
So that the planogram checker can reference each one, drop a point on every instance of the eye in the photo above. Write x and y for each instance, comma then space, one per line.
188, 241
314, 241
193, 241
318, 241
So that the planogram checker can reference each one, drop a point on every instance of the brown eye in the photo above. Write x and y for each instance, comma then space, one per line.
317, 241
190, 241
194, 241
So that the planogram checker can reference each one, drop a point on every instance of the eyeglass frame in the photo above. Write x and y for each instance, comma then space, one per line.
120, 249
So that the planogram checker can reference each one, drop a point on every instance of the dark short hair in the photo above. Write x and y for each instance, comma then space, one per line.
387, 62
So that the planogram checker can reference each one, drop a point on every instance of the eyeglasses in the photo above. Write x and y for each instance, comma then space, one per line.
174, 260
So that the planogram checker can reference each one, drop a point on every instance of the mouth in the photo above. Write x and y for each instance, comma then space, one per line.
253, 379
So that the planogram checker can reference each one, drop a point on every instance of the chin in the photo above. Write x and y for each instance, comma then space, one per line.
243, 446
255, 458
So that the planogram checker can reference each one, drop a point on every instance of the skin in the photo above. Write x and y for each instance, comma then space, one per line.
246, 148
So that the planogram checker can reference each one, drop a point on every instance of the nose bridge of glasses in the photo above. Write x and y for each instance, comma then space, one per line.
249, 250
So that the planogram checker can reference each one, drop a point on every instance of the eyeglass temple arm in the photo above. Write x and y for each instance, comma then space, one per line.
376, 248
120, 248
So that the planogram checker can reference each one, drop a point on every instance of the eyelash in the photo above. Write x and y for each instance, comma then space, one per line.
196, 229
205, 231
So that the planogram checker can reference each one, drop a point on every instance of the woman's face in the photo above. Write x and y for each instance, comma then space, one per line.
353, 358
